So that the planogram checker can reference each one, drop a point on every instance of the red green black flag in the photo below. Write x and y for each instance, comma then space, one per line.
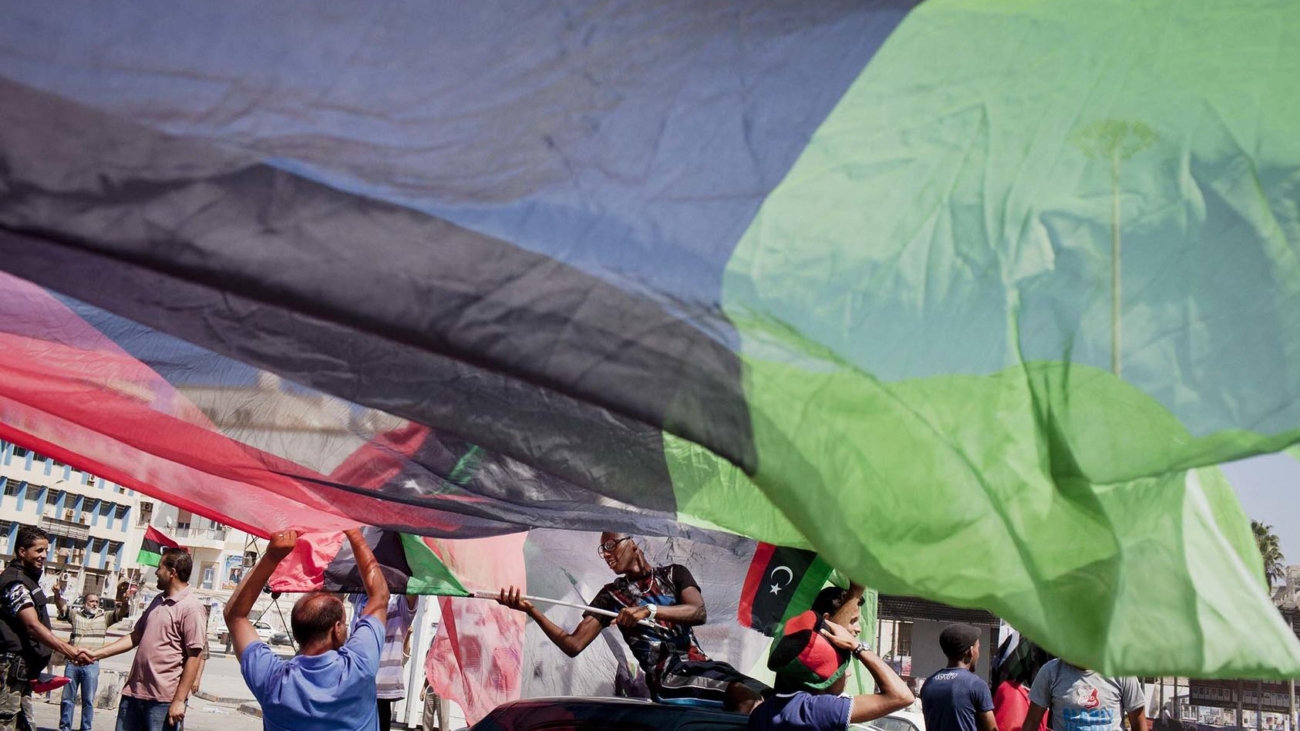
151, 548
781, 582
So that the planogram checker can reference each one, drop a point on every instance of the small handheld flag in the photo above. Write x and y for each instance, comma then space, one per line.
151, 548
781, 582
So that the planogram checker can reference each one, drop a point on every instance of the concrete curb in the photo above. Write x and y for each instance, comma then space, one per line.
250, 709
210, 698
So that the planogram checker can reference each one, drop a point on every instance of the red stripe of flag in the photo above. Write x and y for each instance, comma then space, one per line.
157, 536
757, 570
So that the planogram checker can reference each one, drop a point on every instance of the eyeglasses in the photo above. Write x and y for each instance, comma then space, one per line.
609, 546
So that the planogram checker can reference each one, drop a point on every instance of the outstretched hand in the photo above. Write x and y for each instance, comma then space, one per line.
282, 543
83, 657
514, 598
839, 637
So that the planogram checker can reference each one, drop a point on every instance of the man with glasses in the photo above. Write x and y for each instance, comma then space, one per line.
665, 597
89, 628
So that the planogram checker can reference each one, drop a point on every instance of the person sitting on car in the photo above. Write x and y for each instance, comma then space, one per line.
811, 661
668, 597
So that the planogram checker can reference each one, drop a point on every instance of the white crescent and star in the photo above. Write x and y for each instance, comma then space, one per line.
776, 588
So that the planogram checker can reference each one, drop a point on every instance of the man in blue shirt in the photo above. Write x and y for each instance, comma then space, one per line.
811, 661
330, 686
955, 698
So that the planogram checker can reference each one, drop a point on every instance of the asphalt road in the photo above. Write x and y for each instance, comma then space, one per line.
216, 707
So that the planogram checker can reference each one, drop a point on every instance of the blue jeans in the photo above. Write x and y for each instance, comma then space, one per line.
134, 714
87, 680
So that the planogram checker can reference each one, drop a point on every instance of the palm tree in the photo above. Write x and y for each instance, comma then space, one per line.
1115, 140
1270, 551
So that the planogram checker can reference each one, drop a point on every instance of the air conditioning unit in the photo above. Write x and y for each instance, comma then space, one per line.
78, 555
108, 563
62, 553
85, 518
69, 514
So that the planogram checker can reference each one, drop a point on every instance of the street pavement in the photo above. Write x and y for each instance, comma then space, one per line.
222, 703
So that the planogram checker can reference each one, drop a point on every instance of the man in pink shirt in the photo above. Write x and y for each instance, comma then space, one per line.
170, 636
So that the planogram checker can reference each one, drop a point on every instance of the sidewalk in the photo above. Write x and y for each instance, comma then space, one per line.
221, 690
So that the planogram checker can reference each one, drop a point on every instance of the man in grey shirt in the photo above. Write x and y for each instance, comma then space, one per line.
1081, 700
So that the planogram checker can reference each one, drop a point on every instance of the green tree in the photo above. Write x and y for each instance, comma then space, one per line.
1270, 551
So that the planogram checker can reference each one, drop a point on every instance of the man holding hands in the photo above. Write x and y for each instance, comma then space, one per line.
26, 639
171, 637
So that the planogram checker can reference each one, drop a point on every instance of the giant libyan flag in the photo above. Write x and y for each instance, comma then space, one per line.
969, 297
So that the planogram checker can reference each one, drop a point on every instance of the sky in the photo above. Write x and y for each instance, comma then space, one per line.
1269, 489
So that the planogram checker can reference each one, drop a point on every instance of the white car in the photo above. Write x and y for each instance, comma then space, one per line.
907, 720
264, 631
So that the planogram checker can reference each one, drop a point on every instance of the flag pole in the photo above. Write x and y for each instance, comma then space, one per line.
557, 602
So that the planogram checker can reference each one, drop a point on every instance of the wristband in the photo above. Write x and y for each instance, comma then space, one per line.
861, 648
654, 609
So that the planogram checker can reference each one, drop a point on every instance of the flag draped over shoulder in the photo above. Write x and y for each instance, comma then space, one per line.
153, 545
951, 293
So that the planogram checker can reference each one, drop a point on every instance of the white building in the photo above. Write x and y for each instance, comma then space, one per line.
90, 520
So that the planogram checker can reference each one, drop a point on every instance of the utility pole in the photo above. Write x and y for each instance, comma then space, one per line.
1241, 714
1259, 705
1290, 706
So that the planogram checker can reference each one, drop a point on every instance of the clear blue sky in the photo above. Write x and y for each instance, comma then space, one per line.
1269, 488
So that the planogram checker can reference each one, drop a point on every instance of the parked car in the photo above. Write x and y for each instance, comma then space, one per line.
606, 714
905, 720
264, 630
281, 638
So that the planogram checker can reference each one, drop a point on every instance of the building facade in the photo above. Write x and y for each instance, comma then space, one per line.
91, 521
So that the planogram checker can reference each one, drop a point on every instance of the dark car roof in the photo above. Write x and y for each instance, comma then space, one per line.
601, 713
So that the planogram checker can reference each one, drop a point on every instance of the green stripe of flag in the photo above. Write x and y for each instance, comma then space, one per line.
929, 309
429, 575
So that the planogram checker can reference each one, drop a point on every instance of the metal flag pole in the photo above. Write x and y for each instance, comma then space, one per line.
557, 602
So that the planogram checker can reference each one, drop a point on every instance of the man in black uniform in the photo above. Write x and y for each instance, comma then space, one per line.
25, 637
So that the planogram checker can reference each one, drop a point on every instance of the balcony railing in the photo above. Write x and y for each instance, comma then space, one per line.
202, 534
65, 528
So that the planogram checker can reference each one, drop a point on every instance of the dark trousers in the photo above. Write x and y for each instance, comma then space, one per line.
385, 714
135, 714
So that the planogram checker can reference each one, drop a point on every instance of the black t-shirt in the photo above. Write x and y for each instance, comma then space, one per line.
651, 648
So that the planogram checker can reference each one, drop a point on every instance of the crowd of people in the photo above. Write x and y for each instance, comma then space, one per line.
654, 608
345, 677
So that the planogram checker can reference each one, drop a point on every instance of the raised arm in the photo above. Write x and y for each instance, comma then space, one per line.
569, 643
245, 595
894, 694
120, 612
371, 577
